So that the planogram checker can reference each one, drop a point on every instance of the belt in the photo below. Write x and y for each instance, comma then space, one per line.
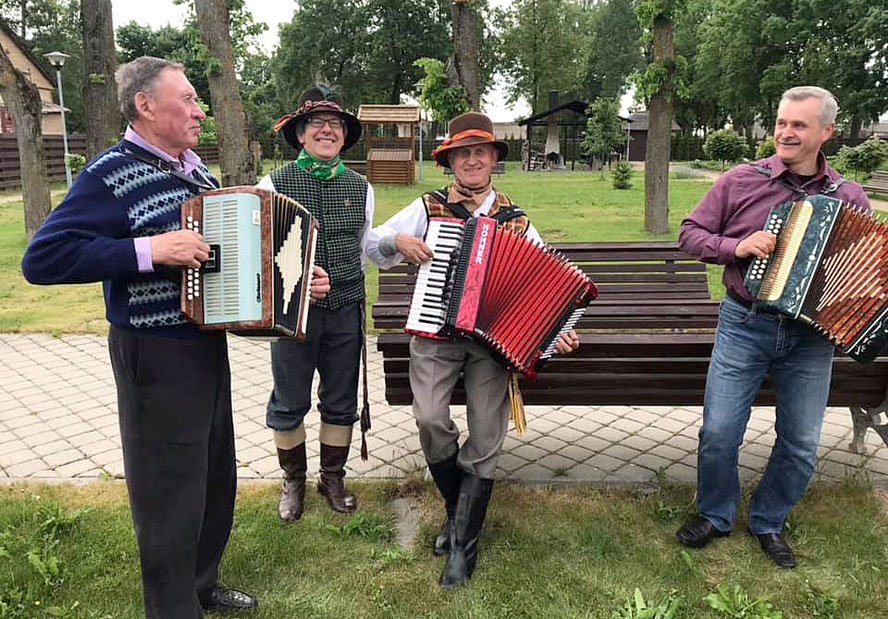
749, 305
736, 297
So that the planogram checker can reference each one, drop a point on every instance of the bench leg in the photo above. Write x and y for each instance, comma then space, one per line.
875, 417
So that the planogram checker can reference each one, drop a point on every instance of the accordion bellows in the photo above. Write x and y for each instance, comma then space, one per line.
829, 270
256, 282
499, 287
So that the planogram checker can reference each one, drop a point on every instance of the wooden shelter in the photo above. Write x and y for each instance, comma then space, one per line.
389, 149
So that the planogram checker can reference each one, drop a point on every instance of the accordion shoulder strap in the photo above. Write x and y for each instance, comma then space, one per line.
828, 188
436, 200
436, 203
508, 213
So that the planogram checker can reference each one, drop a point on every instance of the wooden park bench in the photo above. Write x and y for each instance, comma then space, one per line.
646, 339
878, 183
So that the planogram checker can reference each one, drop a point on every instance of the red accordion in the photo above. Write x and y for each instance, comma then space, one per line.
491, 283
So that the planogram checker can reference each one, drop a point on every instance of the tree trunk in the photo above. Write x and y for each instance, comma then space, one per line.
466, 51
99, 88
23, 100
235, 158
659, 142
856, 123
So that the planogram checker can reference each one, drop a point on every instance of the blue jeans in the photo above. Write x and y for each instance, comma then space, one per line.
747, 345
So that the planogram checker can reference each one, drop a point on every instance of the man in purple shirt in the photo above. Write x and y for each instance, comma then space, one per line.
726, 228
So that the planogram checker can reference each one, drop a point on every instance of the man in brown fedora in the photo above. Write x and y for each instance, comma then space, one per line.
342, 201
463, 474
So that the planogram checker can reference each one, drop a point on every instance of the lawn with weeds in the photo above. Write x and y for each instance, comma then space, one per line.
566, 551
564, 206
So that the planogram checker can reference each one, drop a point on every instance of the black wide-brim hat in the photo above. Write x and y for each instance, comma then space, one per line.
313, 100
466, 130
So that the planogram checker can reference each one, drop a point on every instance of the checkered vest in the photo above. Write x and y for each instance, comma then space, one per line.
339, 204
503, 210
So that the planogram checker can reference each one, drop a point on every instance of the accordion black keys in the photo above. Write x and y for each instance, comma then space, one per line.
256, 282
829, 270
497, 286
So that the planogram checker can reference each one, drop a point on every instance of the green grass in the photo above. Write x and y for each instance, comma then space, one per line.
575, 551
563, 206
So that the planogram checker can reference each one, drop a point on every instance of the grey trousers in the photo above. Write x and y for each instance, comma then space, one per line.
435, 367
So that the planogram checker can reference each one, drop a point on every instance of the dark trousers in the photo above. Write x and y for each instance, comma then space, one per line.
333, 348
174, 401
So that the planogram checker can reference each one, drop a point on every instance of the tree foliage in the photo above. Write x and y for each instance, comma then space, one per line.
604, 132
610, 49
540, 41
441, 100
365, 48
750, 51
725, 145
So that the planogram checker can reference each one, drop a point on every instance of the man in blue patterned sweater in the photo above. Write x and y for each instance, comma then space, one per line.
119, 224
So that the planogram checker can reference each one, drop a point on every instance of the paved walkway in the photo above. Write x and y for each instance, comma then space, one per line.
58, 421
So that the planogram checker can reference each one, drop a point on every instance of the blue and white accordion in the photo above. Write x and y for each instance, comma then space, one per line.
829, 270
256, 281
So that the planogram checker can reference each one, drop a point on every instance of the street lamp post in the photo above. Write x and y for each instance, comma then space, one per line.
57, 59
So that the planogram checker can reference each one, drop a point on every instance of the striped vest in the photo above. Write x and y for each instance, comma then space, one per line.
503, 210
339, 205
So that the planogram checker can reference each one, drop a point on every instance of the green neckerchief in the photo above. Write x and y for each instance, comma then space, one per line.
319, 168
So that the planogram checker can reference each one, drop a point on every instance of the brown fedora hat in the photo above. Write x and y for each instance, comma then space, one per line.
318, 99
466, 130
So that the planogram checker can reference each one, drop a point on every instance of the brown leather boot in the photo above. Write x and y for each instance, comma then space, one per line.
292, 502
331, 483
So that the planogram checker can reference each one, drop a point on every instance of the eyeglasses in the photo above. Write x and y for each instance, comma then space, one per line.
318, 122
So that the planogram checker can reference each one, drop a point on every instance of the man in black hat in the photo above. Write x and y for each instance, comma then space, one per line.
342, 202
463, 475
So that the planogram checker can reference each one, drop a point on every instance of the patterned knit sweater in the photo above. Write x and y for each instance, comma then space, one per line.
89, 238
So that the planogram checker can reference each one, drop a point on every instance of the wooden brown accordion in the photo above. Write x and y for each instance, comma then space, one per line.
256, 281
829, 270
499, 287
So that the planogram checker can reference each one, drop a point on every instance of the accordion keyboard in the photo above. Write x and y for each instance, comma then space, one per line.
788, 244
429, 307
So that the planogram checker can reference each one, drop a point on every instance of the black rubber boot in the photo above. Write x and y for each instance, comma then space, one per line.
465, 533
447, 476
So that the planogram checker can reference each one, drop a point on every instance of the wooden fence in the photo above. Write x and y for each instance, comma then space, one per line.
10, 170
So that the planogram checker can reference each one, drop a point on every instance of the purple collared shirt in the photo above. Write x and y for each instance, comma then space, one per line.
738, 204
187, 162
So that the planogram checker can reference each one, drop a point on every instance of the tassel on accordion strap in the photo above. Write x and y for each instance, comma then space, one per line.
517, 404
365, 409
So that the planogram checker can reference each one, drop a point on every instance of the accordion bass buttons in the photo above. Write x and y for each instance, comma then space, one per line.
760, 265
192, 275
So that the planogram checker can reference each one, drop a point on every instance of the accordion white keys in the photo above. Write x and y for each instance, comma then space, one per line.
256, 281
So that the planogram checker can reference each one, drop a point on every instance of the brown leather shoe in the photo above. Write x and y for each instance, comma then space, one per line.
775, 546
331, 483
697, 531
292, 502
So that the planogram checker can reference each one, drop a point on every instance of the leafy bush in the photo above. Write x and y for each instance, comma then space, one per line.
765, 147
865, 157
75, 162
207, 126
623, 175
725, 145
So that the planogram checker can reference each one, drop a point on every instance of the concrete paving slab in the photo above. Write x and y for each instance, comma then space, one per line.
58, 420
